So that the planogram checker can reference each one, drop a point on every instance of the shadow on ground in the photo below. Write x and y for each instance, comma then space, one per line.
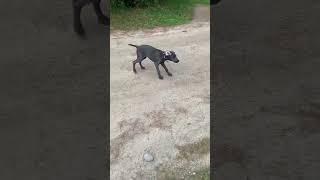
53, 110
267, 92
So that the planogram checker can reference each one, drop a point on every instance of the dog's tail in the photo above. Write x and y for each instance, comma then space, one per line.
132, 45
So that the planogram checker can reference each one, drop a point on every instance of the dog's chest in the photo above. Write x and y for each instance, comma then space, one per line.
161, 61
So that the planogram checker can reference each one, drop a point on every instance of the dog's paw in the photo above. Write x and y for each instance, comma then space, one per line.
169, 74
143, 68
80, 31
161, 77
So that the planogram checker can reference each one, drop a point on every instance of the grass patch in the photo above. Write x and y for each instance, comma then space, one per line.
169, 174
202, 174
194, 150
167, 13
206, 2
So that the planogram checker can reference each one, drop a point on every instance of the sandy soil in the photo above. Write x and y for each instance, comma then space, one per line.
158, 116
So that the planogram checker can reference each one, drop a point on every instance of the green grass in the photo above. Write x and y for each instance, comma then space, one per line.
168, 13
171, 174
207, 2
202, 174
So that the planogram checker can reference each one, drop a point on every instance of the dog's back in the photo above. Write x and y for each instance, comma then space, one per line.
146, 50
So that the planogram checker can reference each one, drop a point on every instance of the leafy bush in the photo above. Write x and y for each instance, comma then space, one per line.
133, 3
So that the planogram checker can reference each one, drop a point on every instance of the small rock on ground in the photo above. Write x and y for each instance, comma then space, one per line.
147, 157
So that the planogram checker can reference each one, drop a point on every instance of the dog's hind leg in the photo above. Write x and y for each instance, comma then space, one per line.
134, 65
165, 68
140, 58
140, 62
142, 67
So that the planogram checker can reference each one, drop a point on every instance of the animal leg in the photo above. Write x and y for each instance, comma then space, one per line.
77, 7
165, 68
158, 71
101, 17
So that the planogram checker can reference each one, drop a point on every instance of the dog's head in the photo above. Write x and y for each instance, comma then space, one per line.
171, 56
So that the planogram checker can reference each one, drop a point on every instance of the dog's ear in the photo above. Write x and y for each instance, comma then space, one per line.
172, 52
167, 53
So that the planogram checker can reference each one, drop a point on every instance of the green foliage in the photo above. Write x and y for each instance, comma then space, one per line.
134, 3
142, 14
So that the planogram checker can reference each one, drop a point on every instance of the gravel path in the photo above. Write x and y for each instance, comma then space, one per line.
148, 114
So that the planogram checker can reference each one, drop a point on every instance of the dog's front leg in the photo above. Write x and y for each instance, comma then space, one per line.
165, 68
158, 71
77, 7
101, 17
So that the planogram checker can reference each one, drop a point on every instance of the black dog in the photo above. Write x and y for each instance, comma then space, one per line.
214, 2
77, 7
156, 55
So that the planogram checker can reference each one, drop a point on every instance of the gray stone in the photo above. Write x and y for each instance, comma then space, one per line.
148, 157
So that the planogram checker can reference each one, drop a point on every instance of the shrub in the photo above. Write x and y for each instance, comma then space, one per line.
134, 3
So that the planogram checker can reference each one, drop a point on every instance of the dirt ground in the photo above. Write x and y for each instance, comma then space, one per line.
162, 117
